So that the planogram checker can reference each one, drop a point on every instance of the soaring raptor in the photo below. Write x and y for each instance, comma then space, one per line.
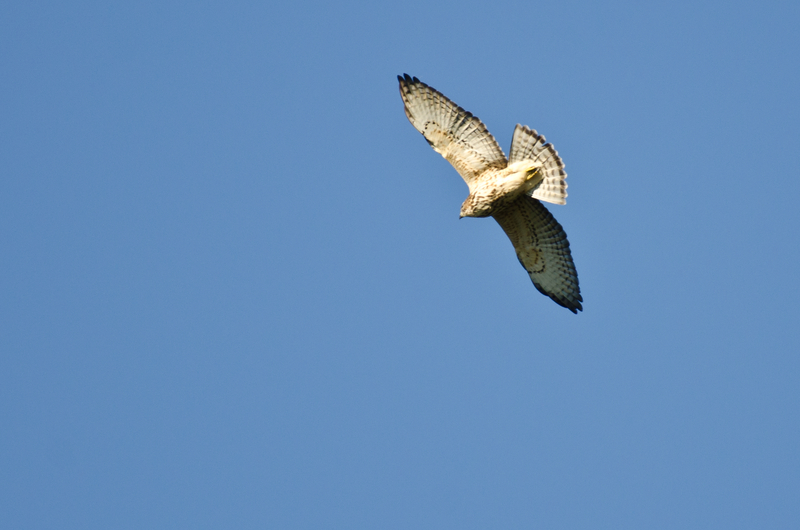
507, 189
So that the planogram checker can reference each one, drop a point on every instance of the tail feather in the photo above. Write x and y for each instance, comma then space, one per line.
527, 144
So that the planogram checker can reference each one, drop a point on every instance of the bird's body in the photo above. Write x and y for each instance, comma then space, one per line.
507, 189
497, 188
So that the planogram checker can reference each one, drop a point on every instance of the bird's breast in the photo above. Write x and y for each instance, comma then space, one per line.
496, 188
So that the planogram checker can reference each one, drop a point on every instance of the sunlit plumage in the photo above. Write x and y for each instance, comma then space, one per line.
507, 189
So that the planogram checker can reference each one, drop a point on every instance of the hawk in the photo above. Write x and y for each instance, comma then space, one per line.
508, 189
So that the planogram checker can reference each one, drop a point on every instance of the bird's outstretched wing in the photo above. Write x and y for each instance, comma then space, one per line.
453, 132
543, 250
527, 144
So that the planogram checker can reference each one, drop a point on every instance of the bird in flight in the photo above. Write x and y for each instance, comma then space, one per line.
508, 189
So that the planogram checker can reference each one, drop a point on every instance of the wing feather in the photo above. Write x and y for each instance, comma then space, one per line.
453, 132
527, 144
543, 250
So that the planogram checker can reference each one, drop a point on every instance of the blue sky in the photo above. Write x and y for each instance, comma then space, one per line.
235, 291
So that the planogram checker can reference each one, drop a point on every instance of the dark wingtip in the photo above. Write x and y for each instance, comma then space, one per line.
405, 78
572, 306
576, 306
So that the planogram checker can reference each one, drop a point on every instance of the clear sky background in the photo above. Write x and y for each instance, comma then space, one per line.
235, 291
